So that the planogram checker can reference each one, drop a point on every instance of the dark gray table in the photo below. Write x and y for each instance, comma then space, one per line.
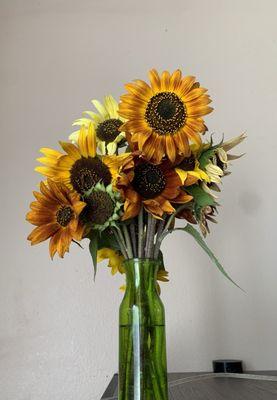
215, 388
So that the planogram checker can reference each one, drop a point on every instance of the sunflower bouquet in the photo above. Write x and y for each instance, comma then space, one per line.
127, 175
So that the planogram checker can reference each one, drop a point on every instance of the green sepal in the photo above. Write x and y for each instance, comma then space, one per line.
93, 248
196, 235
208, 154
205, 157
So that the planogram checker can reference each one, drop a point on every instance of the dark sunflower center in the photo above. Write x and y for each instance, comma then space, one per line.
188, 163
149, 180
86, 172
64, 215
165, 112
108, 130
100, 207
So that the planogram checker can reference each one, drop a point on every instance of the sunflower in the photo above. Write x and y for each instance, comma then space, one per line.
189, 171
106, 122
56, 214
114, 257
81, 169
103, 207
164, 116
152, 186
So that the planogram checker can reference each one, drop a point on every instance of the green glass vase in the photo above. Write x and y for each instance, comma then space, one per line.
142, 342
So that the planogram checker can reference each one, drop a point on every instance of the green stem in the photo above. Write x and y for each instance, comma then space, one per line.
157, 338
166, 228
151, 224
140, 234
134, 238
156, 346
127, 241
159, 232
121, 243
128, 364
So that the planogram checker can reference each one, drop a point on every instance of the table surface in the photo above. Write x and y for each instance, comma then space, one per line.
215, 388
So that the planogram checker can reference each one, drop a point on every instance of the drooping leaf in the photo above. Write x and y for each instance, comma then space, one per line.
93, 248
200, 197
196, 235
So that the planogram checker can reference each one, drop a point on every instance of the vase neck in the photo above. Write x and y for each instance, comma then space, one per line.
141, 273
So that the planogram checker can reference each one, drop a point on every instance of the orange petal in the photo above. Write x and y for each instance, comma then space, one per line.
54, 187
136, 90
42, 233
154, 80
170, 148
165, 81
186, 85
175, 79
54, 242
182, 198
78, 234
194, 94
182, 143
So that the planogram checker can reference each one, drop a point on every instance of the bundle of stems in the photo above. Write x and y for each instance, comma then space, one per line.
143, 236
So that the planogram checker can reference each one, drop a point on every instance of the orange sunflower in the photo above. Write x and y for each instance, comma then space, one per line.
163, 117
56, 215
152, 186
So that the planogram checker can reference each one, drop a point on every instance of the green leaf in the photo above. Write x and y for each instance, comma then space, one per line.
108, 239
200, 197
93, 247
161, 259
193, 232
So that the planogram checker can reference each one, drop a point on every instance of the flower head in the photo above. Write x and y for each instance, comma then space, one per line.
80, 168
106, 122
155, 187
56, 215
103, 207
114, 257
163, 117
189, 170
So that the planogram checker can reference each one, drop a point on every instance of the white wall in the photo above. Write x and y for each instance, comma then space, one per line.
58, 328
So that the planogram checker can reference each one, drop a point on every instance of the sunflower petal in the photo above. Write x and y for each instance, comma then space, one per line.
82, 142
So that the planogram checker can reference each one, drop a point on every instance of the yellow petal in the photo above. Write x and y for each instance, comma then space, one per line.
91, 141
182, 174
82, 142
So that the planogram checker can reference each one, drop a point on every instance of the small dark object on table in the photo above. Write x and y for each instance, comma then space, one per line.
229, 366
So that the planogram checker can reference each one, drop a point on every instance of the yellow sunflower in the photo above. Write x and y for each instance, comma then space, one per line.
164, 116
189, 171
81, 169
114, 257
106, 122
56, 214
